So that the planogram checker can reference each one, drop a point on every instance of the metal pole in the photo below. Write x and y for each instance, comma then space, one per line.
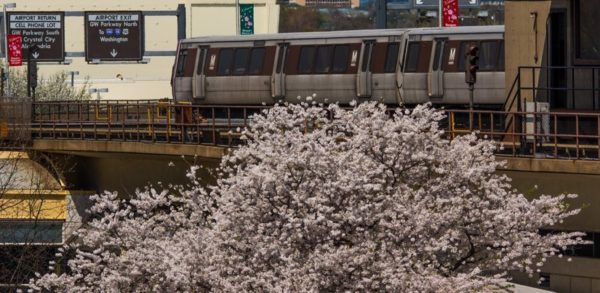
471, 88
6, 69
72, 79
381, 14
237, 17
440, 14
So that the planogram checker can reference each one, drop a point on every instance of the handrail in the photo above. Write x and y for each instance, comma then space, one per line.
508, 97
516, 85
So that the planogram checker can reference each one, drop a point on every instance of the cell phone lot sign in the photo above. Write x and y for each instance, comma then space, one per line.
44, 29
113, 36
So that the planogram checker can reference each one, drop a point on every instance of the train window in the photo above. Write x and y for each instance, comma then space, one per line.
240, 64
323, 63
307, 58
501, 57
436, 56
340, 58
225, 61
181, 63
367, 55
280, 56
391, 57
201, 61
412, 57
257, 59
488, 55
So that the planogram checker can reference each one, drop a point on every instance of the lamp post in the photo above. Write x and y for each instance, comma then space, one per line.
7, 87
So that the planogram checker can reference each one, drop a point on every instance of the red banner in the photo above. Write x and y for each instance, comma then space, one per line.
15, 52
450, 12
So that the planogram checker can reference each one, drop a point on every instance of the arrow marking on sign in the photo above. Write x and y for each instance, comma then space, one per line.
473, 2
35, 55
114, 53
419, 2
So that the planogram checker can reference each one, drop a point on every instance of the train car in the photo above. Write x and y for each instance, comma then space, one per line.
394, 66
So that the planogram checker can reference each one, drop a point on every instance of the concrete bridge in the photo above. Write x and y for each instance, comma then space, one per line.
566, 143
127, 145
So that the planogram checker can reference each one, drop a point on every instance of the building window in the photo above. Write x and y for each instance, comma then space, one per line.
591, 250
31, 232
587, 39
544, 280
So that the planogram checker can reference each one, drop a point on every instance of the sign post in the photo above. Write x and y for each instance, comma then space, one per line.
114, 36
246, 19
15, 51
42, 29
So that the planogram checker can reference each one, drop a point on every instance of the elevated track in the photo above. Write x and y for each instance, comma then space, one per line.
211, 129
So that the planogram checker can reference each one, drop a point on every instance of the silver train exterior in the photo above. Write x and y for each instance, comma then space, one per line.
395, 66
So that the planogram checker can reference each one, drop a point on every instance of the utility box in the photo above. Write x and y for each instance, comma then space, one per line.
537, 121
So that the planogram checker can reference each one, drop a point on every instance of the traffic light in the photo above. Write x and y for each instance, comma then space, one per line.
472, 65
32, 72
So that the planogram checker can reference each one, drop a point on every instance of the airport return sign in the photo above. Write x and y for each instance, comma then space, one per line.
44, 29
113, 36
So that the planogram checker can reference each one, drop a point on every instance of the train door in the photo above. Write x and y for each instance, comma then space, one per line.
415, 70
199, 83
278, 75
400, 73
435, 77
364, 85
183, 74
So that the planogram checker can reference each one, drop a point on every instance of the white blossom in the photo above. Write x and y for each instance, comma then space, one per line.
324, 199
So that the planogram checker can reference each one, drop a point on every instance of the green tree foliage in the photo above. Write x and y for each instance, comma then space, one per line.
54, 87
299, 19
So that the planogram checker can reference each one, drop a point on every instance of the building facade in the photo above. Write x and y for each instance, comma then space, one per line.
553, 56
162, 24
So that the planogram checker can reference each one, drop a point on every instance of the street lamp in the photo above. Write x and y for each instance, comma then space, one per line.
4, 7
98, 91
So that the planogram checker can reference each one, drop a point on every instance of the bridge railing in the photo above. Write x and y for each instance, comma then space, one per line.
560, 135
141, 121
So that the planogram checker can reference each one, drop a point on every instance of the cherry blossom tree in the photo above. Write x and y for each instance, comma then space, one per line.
153, 242
326, 199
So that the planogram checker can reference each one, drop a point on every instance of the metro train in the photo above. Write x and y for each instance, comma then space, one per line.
393, 66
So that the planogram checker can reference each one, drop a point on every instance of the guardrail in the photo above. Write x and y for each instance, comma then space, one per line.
558, 135
148, 121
